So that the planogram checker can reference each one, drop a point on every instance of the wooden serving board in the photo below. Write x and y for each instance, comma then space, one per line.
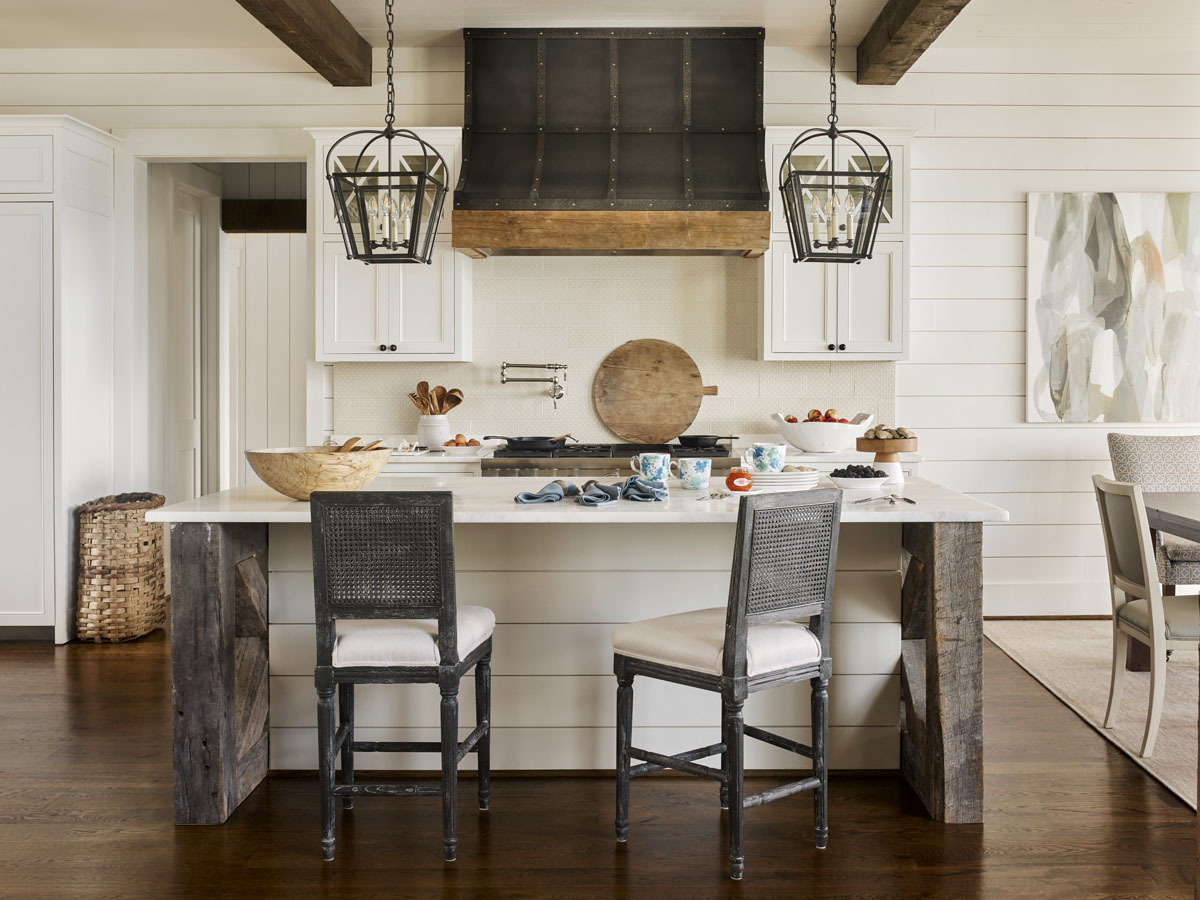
649, 391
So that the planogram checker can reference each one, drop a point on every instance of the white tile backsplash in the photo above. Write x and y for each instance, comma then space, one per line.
575, 310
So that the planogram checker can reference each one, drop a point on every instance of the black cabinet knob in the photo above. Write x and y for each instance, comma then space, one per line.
831, 347
840, 347
383, 347
393, 347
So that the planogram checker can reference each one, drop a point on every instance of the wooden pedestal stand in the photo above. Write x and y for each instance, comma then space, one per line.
887, 450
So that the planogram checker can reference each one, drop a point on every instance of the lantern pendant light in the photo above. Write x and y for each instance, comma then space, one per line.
388, 214
833, 207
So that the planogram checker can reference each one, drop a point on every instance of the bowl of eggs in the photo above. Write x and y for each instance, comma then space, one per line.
461, 445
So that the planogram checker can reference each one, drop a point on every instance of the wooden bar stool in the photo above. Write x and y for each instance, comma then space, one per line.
383, 572
784, 557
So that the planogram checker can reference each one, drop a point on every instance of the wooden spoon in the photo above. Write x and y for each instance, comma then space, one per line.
423, 393
453, 398
349, 445
439, 400
417, 402
370, 446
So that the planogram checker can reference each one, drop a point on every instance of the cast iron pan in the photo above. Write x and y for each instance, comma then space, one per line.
531, 443
703, 441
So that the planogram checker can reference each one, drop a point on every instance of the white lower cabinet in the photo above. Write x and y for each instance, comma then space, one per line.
834, 310
396, 312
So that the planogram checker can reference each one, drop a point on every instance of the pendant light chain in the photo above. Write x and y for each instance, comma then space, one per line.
832, 117
390, 118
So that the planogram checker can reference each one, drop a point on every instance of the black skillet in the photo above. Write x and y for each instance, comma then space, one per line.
703, 441
531, 443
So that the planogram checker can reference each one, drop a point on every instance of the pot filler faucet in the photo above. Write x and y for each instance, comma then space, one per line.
557, 390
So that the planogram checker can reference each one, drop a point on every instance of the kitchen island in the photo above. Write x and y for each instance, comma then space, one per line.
906, 636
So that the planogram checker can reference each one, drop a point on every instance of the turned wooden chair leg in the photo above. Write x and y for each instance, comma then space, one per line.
483, 714
346, 718
820, 748
325, 738
624, 741
1121, 643
450, 772
732, 721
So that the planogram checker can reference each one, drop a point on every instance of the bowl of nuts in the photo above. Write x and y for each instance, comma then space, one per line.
887, 443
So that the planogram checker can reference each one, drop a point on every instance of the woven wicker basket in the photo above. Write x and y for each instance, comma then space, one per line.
121, 578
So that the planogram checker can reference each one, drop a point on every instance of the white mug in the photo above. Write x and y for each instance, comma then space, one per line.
652, 466
693, 473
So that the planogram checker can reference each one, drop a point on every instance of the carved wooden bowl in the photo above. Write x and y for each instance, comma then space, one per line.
298, 471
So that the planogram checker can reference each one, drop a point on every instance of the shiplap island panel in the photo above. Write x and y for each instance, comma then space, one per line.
558, 592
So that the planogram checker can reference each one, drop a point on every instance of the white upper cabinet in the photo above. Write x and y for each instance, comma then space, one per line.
398, 312
831, 311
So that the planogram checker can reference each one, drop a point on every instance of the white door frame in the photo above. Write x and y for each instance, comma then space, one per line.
137, 251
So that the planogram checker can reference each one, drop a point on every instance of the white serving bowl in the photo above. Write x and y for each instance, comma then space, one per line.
859, 484
461, 451
820, 437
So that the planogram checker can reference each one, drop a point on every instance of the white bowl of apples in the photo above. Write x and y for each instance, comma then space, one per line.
820, 432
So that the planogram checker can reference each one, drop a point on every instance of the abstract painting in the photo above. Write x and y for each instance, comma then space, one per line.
1113, 325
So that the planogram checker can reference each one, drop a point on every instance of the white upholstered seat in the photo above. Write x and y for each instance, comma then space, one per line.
696, 640
407, 642
1181, 614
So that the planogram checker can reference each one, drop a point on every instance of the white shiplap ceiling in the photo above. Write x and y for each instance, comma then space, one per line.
222, 23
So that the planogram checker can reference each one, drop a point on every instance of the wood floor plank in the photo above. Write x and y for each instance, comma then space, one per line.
86, 812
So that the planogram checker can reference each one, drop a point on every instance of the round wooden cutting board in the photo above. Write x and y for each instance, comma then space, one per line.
648, 391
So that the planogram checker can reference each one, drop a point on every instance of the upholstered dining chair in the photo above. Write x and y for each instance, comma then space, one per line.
1160, 462
386, 613
1140, 611
785, 552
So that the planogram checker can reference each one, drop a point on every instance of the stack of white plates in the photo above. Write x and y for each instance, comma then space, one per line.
803, 480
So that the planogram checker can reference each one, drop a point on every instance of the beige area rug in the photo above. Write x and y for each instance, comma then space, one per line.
1073, 659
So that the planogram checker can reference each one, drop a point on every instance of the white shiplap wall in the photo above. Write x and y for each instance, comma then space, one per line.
992, 124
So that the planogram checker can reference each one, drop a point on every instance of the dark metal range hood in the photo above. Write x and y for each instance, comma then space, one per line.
596, 141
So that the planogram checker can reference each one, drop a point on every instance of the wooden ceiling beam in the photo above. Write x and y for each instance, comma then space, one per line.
320, 35
902, 31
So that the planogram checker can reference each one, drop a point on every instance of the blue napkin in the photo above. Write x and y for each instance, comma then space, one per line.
645, 491
596, 494
551, 493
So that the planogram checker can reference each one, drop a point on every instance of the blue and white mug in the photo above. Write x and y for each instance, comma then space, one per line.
693, 473
765, 457
652, 466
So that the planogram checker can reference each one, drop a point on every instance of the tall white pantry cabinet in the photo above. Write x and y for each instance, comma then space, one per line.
388, 313
56, 357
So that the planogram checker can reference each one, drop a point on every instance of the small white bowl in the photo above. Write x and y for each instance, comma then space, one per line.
461, 451
859, 484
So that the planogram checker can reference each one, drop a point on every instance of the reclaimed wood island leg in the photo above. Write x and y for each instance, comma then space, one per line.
941, 668
218, 667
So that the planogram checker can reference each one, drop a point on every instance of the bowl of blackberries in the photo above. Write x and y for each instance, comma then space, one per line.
858, 478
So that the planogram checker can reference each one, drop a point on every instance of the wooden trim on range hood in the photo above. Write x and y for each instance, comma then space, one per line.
486, 232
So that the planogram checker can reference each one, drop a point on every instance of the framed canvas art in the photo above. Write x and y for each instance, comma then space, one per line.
1113, 321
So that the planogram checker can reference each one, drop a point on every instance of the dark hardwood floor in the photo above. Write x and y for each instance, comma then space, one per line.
85, 811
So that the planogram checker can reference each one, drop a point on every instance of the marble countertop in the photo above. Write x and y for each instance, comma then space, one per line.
490, 501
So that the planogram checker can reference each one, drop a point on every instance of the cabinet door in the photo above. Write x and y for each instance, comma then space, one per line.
871, 302
26, 164
26, 406
803, 303
355, 303
421, 304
